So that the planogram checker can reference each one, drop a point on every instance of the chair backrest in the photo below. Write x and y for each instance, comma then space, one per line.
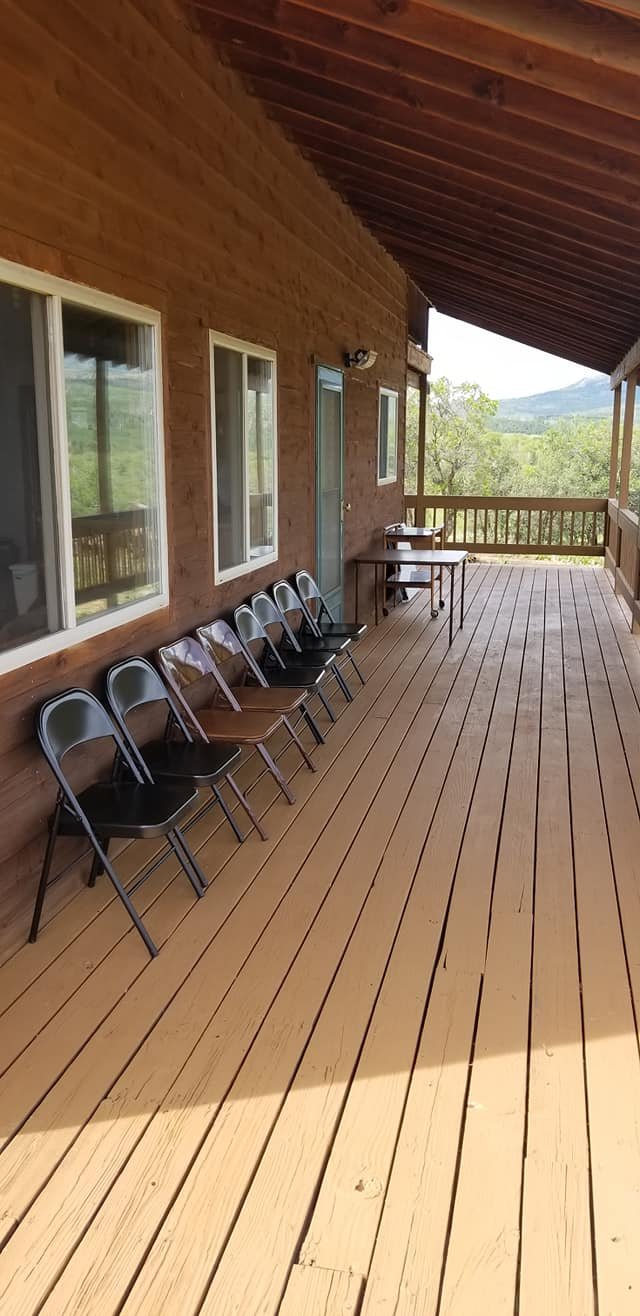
132, 683
273, 620
290, 608
75, 718
222, 645
255, 640
185, 663
309, 594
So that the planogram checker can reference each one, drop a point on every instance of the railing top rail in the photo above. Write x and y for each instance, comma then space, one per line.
510, 503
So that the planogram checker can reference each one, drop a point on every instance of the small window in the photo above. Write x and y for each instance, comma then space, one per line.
243, 407
388, 436
82, 522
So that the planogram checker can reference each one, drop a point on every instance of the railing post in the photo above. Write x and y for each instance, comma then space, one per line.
627, 437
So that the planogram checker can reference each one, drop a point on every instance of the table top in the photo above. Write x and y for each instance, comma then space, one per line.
414, 532
410, 557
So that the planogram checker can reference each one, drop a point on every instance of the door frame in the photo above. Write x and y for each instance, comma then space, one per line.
321, 369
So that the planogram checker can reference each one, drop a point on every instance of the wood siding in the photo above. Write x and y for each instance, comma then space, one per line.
134, 161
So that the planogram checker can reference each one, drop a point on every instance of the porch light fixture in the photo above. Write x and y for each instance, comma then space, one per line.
362, 359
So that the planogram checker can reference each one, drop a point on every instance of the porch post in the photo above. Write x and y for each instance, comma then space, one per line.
615, 441
627, 435
422, 434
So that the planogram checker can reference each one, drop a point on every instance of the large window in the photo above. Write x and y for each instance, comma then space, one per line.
388, 436
82, 527
243, 407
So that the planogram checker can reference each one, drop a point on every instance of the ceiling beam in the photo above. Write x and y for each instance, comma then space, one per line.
431, 135
564, 25
394, 99
423, 67
567, 74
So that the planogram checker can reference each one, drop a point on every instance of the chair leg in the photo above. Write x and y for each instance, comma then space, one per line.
96, 867
188, 862
130, 908
276, 773
313, 725
356, 668
342, 683
247, 807
296, 739
46, 869
228, 813
326, 705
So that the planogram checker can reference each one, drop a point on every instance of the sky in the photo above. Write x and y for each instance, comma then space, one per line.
502, 368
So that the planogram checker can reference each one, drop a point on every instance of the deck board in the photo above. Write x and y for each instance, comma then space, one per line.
427, 980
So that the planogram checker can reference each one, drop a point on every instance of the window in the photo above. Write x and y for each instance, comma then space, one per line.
82, 525
243, 408
388, 436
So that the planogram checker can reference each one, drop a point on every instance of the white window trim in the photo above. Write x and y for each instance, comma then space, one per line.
71, 632
388, 393
265, 354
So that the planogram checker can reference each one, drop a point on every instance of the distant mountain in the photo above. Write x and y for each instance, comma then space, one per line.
589, 397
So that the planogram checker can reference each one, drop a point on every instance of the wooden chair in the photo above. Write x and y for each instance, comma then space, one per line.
244, 678
135, 808
184, 664
271, 667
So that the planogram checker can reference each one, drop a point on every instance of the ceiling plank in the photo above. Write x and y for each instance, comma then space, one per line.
567, 25
546, 67
423, 66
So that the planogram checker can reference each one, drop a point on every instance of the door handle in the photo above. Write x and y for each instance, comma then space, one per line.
346, 507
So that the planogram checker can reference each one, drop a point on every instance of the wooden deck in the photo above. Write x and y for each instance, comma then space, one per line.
390, 1063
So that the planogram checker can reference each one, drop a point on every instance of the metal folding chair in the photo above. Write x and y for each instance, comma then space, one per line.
135, 683
270, 665
246, 681
298, 632
132, 808
319, 619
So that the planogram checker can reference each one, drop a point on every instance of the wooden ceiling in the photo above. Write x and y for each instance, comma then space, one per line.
493, 146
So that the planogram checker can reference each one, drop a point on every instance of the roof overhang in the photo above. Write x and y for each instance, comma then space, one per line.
493, 147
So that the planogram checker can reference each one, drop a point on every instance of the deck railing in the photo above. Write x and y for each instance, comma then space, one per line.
538, 526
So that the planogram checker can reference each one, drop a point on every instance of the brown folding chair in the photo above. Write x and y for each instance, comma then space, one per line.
184, 664
243, 676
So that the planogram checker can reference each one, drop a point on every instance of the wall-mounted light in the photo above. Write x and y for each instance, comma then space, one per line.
362, 359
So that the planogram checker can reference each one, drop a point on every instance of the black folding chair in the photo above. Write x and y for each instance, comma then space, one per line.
244, 678
133, 683
319, 619
297, 632
281, 669
136, 808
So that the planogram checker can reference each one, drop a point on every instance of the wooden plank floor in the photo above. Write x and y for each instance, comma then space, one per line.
389, 1064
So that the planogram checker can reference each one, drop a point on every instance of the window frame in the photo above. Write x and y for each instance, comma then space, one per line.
245, 349
386, 392
56, 291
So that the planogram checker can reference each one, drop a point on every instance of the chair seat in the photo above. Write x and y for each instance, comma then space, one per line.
299, 676
257, 697
244, 728
131, 809
352, 630
310, 643
321, 658
199, 762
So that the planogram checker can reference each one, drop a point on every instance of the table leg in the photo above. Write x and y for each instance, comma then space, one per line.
375, 589
453, 578
464, 563
356, 591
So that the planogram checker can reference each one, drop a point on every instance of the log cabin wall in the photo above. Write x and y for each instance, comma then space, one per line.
134, 161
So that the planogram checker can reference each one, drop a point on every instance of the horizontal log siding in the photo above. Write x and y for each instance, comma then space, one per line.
133, 160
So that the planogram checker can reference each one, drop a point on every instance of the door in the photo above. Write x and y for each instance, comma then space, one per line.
329, 475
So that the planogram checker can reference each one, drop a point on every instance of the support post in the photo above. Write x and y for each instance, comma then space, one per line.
422, 436
615, 441
627, 437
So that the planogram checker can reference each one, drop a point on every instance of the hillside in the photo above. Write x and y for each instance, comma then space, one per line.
589, 397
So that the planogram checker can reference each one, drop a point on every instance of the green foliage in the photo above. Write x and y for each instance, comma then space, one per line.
466, 454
